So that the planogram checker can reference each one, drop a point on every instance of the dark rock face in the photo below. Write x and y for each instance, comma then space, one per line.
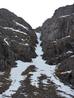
58, 39
66, 71
7, 56
17, 39
67, 10
38, 29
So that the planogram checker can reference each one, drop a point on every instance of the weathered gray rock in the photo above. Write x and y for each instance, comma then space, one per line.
66, 10
66, 70
58, 38
17, 39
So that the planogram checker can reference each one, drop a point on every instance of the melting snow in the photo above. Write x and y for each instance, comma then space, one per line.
66, 72
2, 73
16, 36
5, 40
64, 16
49, 71
14, 30
69, 52
22, 39
25, 44
66, 37
72, 56
42, 68
21, 25
16, 77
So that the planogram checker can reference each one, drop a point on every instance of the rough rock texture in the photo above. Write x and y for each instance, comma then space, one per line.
38, 29
66, 71
17, 39
58, 41
67, 10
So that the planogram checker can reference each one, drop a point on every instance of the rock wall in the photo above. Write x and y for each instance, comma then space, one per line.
58, 41
17, 39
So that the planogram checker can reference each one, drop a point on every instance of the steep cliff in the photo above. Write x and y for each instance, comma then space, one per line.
17, 39
58, 42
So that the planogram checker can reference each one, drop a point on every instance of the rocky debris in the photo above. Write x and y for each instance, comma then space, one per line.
17, 39
58, 40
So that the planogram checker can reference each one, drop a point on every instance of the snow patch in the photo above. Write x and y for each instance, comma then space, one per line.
72, 56
16, 36
64, 16
49, 71
16, 77
5, 40
21, 25
14, 30
2, 73
22, 39
69, 52
66, 37
25, 44
42, 68
66, 72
